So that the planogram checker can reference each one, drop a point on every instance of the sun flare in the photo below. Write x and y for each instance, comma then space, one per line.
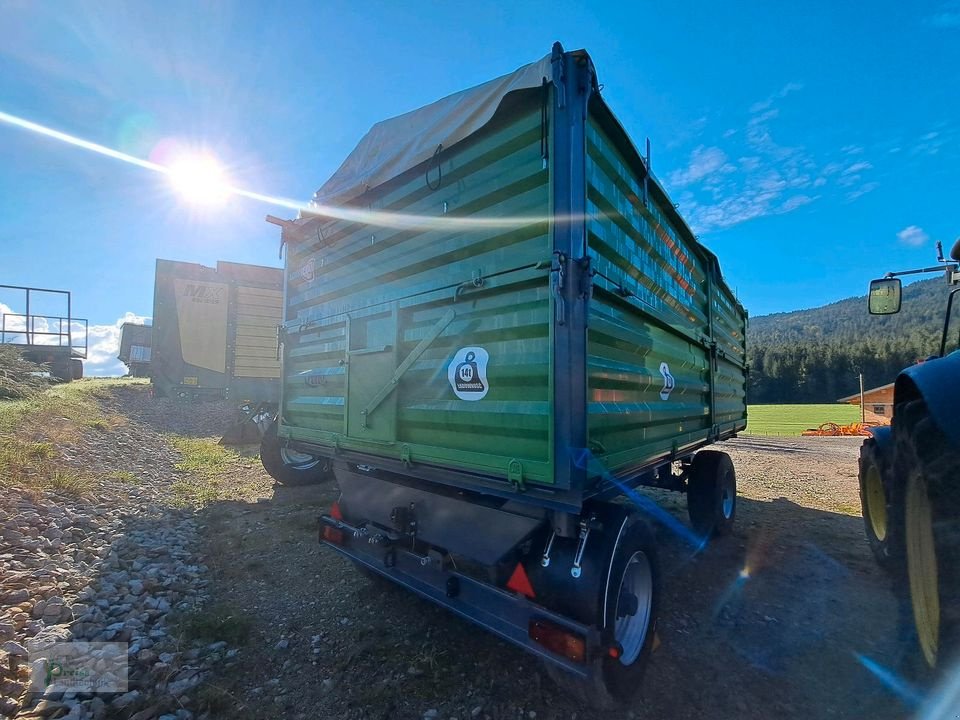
199, 179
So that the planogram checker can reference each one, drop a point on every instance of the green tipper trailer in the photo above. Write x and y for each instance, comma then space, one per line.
496, 323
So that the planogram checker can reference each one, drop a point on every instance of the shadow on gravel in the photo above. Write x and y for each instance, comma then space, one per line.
767, 622
168, 415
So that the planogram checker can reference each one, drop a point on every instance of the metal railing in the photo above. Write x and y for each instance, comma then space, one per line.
63, 336
33, 330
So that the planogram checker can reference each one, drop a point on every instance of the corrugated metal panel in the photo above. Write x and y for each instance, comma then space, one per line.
650, 321
258, 313
365, 298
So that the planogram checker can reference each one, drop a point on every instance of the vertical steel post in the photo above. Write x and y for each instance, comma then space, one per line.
572, 85
863, 411
69, 326
27, 325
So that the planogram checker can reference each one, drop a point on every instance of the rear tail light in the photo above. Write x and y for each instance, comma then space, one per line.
331, 534
558, 639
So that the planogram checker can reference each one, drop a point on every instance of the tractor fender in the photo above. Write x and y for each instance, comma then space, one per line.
883, 438
937, 382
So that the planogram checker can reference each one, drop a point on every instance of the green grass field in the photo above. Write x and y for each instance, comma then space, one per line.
794, 419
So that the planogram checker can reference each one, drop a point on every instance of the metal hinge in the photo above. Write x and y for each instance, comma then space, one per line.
515, 474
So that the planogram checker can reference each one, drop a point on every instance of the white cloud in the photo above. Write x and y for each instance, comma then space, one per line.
12, 320
103, 344
913, 236
795, 202
862, 190
781, 93
857, 167
947, 17
769, 179
704, 161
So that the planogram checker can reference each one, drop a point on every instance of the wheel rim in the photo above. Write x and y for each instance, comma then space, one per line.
727, 498
922, 567
298, 460
630, 631
876, 501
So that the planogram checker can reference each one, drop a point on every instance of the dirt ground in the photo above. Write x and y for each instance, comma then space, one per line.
774, 621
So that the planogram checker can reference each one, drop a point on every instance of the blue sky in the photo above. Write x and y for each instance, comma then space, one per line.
811, 146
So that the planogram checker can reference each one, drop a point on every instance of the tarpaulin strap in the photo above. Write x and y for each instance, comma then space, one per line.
436, 157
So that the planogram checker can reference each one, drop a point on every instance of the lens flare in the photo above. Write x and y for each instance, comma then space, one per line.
399, 221
905, 692
199, 178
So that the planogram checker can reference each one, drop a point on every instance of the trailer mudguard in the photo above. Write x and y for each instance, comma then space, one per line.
938, 383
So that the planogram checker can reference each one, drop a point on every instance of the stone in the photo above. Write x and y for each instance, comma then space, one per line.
14, 649
8, 706
126, 700
17, 596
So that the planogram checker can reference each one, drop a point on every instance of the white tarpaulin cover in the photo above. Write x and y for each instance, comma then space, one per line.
398, 144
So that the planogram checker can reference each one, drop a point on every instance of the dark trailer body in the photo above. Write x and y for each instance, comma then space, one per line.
136, 341
511, 328
215, 331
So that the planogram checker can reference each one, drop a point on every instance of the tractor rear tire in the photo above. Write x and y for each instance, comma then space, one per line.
876, 506
712, 493
289, 467
927, 495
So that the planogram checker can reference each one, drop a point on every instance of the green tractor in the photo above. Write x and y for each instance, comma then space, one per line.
909, 491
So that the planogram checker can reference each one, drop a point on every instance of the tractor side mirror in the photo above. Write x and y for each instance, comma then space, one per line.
885, 296
955, 252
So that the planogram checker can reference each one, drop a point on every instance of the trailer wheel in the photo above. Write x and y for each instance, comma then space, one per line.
712, 493
62, 369
618, 592
875, 503
76, 368
289, 467
925, 488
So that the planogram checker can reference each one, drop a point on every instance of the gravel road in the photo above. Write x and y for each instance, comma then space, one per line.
773, 621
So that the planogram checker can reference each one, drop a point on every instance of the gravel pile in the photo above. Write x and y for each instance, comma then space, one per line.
115, 565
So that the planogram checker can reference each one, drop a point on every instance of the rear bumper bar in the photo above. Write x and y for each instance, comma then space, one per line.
503, 613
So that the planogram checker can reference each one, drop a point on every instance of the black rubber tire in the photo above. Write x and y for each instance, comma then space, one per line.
272, 457
62, 369
611, 683
76, 368
925, 478
711, 485
876, 506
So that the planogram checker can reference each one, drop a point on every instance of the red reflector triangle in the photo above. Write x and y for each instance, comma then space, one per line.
519, 582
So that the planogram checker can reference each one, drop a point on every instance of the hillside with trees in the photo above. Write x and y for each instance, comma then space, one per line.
816, 355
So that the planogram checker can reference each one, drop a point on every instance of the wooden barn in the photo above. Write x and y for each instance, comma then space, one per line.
877, 404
